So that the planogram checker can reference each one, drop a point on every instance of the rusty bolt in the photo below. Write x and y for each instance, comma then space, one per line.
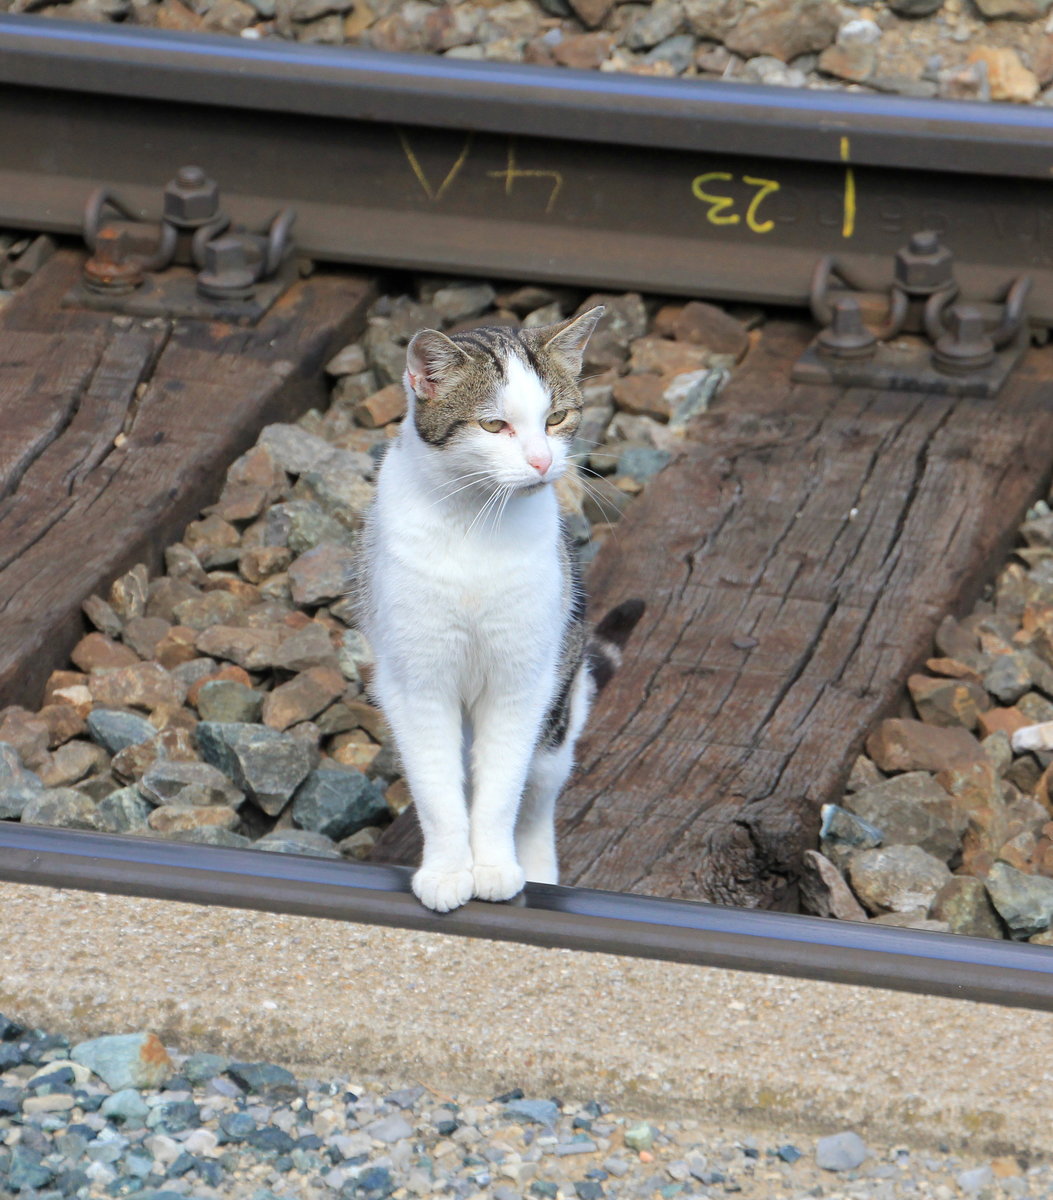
924, 266
846, 336
111, 269
191, 199
966, 346
230, 269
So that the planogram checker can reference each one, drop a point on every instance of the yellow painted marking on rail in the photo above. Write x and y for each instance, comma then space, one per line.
418, 170
717, 204
513, 171
848, 223
764, 187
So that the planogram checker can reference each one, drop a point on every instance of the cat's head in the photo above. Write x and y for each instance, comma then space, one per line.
501, 402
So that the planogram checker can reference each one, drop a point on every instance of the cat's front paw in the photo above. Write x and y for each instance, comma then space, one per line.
498, 882
443, 890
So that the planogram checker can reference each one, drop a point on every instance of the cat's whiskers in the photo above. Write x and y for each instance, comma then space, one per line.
473, 477
489, 501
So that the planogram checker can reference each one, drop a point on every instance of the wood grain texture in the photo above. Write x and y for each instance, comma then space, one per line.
795, 558
78, 504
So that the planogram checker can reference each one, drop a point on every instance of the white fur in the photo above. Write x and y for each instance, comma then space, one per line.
464, 611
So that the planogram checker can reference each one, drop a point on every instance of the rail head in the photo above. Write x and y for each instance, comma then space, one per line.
954, 137
996, 972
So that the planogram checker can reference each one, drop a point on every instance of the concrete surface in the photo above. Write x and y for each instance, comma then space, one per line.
661, 1040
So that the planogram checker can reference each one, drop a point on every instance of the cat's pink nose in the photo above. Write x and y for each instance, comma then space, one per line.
540, 460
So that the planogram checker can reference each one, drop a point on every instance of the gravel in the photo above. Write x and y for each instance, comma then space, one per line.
224, 702
125, 1116
947, 820
991, 50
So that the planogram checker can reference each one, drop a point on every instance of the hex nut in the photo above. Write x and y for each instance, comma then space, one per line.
191, 198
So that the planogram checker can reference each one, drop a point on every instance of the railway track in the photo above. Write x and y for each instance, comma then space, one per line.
731, 192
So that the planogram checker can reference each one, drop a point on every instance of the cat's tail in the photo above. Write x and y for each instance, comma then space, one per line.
608, 640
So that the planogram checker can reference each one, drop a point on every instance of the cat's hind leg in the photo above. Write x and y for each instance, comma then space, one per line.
550, 769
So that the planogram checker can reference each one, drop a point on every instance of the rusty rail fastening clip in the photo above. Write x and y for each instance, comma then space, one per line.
968, 351
194, 231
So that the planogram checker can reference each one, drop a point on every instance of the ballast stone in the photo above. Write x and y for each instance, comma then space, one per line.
266, 764
115, 731
125, 1060
338, 802
841, 1152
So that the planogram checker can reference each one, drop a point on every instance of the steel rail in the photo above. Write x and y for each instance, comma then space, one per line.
616, 181
995, 972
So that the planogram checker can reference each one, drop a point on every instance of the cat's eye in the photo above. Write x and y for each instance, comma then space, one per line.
493, 426
556, 418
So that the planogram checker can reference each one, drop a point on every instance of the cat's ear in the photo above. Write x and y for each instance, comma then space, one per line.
567, 340
430, 357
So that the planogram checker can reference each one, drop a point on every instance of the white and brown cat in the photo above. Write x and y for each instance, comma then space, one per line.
471, 598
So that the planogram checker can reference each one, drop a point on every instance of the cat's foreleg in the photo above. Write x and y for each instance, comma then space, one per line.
426, 724
505, 731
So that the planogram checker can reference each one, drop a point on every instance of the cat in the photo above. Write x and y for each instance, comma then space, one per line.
471, 599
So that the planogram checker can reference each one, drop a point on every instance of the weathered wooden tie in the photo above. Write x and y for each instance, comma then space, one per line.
116, 432
796, 559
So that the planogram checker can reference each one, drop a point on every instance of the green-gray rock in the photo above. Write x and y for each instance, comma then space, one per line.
897, 878
964, 904
911, 810
201, 1067
126, 1107
229, 701
639, 1137
189, 783
17, 785
1024, 902
61, 806
122, 811
298, 841
337, 802
115, 730
266, 764
125, 1060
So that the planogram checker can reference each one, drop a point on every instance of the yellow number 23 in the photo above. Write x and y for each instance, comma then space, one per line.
721, 210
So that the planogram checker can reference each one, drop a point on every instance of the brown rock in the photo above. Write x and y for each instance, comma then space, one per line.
905, 745
232, 672
215, 542
259, 564
253, 649
383, 407
240, 502
896, 878
182, 564
216, 607
27, 732
169, 592
96, 652
854, 61
257, 468
179, 645
144, 633
73, 762
784, 29
59, 680
954, 640
642, 395
964, 904
713, 20
660, 356
977, 792
824, 891
100, 613
591, 13
321, 574
1019, 851
304, 648
63, 722
397, 797
128, 593
133, 762
707, 325
583, 51
354, 750
170, 14
863, 775
77, 696
180, 818
144, 685
1007, 75
302, 698
1004, 720
948, 702
367, 717
951, 668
